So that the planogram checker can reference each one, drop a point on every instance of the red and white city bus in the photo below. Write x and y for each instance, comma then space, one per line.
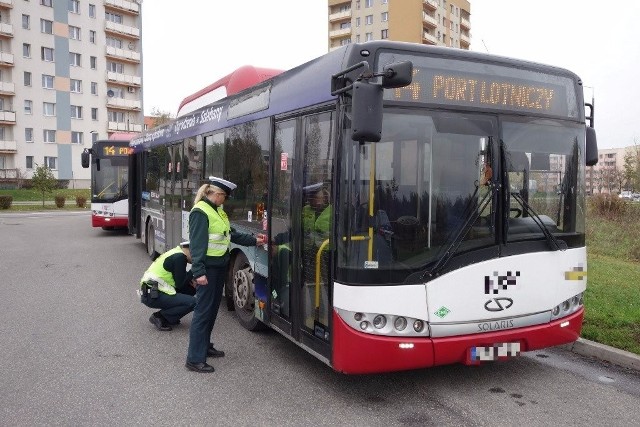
438, 250
109, 162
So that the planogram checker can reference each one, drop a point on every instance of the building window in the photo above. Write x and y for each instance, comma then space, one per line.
384, 34
368, 20
92, 36
368, 37
116, 92
114, 42
76, 137
93, 61
47, 81
113, 17
27, 78
74, 59
26, 50
28, 106
29, 162
74, 32
75, 85
357, 4
94, 88
45, 3
115, 116
74, 6
345, 25
92, 11
49, 108
357, 22
46, 26
28, 134
49, 135
357, 38
115, 67
94, 114
46, 54
26, 22
345, 42
384, 16
368, 3
76, 112
50, 162
383, 1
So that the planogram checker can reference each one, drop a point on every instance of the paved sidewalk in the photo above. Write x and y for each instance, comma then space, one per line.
607, 353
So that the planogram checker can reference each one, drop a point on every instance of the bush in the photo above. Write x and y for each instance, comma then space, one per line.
62, 184
60, 201
5, 202
81, 201
609, 205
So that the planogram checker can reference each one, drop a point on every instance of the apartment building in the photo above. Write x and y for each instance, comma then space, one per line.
70, 73
607, 176
433, 22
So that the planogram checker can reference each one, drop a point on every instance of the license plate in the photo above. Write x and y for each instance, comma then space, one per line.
494, 352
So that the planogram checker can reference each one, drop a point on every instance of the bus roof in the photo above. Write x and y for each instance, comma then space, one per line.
234, 82
303, 86
123, 136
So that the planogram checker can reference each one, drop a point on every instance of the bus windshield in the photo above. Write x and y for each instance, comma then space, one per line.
109, 181
428, 190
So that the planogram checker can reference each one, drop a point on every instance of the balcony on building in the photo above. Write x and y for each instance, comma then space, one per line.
124, 79
6, 4
122, 30
465, 40
340, 32
8, 147
429, 20
7, 117
430, 4
123, 6
7, 88
124, 104
6, 59
464, 23
123, 54
123, 127
340, 16
6, 30
428, 38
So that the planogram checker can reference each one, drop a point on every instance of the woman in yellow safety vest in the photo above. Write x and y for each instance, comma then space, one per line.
210, 235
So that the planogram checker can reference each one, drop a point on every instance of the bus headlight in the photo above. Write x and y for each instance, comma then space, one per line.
379, 321
418, 325
400, 323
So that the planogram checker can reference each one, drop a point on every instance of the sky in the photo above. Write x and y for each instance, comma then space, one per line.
189, 47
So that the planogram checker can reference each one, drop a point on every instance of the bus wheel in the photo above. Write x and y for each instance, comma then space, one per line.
151, 242
243, 294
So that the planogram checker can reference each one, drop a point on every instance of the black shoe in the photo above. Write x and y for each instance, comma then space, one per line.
199, 367
212, 352
159, 323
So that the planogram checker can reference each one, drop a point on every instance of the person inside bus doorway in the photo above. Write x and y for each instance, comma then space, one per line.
316, 225
167, 285
210, 235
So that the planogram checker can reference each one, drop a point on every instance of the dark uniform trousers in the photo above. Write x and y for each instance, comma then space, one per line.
208, 298
172, 307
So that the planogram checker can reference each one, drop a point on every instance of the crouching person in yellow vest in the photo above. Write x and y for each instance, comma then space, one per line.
167, 285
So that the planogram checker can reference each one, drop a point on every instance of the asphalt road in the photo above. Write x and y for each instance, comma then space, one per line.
77, 349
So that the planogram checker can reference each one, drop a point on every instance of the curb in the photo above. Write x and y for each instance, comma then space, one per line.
607, 353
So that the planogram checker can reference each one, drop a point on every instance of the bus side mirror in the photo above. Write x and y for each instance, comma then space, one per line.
591, 154
366, 111
398, 74
85, 160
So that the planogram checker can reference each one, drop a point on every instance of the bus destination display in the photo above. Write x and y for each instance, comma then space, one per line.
463, 85
111, 150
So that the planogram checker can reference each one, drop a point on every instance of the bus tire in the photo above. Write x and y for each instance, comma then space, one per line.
243, 293
151, 241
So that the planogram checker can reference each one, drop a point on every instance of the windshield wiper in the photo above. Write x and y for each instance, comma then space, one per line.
462, 231
555, 243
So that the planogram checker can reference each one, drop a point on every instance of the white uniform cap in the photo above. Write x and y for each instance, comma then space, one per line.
225, 185
312, 187
184, 244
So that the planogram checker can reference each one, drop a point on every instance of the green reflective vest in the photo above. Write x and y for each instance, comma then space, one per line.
157, 272
219, 229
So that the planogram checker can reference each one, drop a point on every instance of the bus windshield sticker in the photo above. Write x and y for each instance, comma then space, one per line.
371, 264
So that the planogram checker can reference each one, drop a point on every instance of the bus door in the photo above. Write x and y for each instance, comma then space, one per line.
300, 227
173, 211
